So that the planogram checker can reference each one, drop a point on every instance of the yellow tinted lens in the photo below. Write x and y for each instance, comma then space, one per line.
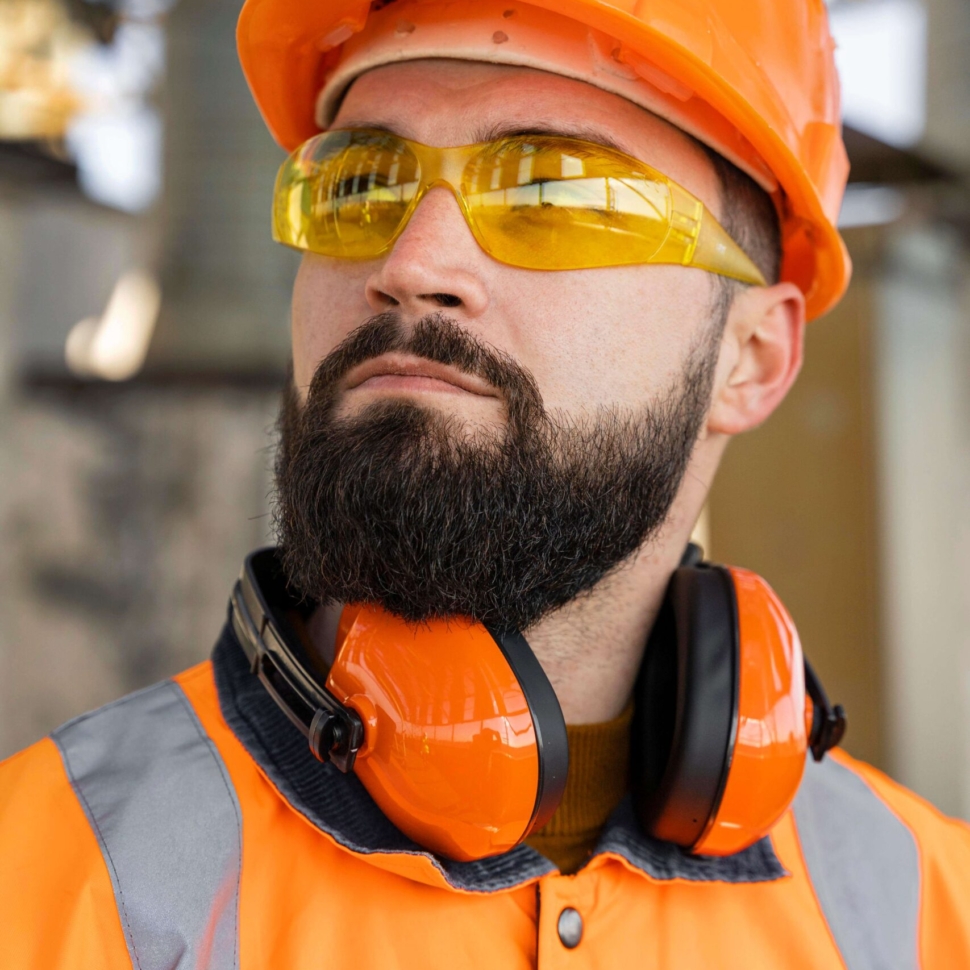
345, 194
555, 204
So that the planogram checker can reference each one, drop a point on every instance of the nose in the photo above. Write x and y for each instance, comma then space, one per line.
434, 264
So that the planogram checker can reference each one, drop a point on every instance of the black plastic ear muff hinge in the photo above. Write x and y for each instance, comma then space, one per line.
828, 721
335, 732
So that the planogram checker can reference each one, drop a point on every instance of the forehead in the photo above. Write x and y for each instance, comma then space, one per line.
449, 103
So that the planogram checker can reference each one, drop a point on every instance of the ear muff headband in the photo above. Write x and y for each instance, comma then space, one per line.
828, 722
260, 602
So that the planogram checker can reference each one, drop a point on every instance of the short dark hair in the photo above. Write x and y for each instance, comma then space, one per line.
751, 220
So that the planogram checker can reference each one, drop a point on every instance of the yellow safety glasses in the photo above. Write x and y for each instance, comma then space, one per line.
536, 202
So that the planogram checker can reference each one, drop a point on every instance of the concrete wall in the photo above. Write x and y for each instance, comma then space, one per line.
126, 513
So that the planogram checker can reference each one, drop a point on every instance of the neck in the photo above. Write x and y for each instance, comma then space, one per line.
591, 650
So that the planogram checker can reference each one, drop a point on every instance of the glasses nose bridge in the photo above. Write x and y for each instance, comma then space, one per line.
443, 167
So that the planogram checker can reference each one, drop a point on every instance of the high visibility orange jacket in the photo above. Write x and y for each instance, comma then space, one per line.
188, 826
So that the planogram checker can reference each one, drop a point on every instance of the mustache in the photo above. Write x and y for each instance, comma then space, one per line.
435, 338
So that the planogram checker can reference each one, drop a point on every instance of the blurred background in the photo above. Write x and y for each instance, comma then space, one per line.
144, 339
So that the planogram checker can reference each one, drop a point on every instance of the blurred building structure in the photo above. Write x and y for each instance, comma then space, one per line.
127, 506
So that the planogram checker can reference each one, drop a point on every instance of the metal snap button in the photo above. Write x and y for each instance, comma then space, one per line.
570, 928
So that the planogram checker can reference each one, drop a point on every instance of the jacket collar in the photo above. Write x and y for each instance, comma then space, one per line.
340, 806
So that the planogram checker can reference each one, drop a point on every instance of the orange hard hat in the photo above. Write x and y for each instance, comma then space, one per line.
753, 79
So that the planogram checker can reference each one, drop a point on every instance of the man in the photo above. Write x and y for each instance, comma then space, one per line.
516, 367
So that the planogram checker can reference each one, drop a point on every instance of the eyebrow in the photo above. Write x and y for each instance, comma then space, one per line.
583, 132
501, 130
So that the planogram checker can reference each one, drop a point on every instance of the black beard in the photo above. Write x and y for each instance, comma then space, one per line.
406, 508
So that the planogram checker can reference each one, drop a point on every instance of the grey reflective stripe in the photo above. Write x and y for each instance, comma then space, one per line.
864, 865
159, 798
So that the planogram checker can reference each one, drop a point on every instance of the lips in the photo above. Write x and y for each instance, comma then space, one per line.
402, 371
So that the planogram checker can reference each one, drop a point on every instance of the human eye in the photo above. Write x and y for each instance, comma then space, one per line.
360, 183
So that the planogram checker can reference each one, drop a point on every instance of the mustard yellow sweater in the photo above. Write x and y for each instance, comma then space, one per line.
599, 756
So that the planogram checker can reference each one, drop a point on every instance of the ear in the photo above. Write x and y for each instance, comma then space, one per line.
761, 355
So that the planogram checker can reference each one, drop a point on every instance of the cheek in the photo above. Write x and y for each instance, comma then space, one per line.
328, 303
614, 336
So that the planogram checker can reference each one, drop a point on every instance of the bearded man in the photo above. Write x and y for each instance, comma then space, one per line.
483, 706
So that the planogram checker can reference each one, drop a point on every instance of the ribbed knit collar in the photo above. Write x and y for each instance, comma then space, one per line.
598, 781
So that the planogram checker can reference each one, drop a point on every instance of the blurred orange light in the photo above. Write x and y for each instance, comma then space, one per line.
38, 41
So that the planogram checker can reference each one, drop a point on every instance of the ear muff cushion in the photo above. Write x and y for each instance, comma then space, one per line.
685, 719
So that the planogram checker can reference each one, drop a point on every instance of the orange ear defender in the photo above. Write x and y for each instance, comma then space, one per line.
454, 729
725, 708
456, 732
